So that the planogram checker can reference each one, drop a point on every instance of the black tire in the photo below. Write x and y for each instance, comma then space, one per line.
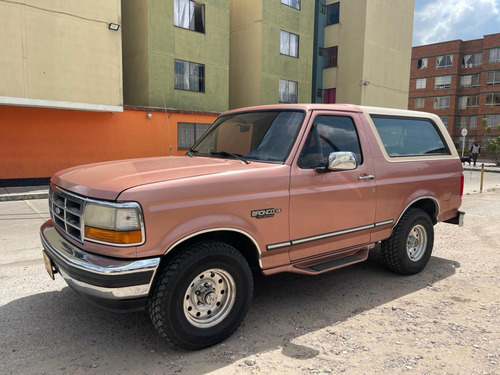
202, 295
409, 248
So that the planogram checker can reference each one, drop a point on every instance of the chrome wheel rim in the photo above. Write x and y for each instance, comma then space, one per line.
209, 298
416, 243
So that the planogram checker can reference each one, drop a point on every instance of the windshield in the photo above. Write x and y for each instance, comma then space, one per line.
261, 136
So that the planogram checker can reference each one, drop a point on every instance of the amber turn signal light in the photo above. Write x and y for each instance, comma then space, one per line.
110, 236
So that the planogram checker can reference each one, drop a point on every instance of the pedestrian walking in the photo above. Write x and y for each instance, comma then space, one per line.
475, 149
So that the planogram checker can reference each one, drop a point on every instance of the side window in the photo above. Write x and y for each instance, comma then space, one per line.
329, 134
409, 136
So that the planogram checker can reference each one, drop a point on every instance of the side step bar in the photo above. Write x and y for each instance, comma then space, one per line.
324, 264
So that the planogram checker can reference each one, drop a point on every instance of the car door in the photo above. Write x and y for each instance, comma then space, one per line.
331, 210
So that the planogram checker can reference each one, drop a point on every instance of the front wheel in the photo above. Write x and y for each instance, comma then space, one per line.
202, 295
409, 248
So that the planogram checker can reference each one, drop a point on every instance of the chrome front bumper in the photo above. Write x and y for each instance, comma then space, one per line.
109, 282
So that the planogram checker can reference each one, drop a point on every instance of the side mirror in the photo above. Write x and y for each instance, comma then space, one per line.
342, 161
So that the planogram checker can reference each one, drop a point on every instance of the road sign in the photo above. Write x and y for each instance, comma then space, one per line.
464, 132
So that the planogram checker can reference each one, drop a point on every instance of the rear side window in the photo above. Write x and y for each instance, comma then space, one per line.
409, 136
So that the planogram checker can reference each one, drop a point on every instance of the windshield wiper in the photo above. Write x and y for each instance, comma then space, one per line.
191, 152
226, 154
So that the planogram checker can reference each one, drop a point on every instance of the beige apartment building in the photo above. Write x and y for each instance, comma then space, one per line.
61, 54
176, 54
195, 57
271, 51
364, 51
338, 51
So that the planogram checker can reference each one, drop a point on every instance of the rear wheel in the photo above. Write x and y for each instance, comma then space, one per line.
409, 248
202, 295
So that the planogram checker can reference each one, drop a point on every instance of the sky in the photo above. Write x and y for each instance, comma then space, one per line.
442, 20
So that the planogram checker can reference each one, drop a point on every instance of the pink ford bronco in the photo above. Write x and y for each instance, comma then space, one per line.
282, 188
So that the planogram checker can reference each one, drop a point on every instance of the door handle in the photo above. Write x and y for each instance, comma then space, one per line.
366, 177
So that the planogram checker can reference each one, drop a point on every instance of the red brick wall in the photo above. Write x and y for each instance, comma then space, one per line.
457, 48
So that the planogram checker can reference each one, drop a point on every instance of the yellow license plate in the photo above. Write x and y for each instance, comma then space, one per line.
48, 265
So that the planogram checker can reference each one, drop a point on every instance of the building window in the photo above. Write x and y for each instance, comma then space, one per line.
332, 13
470, 80
329, 56
444, 61
329, 96
189, 76
422, 63
288, 91
190, 15
292, 3
493, 77
494, 55
420, 83
441, 102
188, 133
472, 60
419, 103
493, 120
445, 120
442, 82
467, 122
289, 44
468, 101
492, 99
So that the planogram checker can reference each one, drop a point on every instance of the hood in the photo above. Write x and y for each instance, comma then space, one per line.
108, 179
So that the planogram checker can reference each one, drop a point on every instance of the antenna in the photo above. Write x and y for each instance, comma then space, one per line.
166, 117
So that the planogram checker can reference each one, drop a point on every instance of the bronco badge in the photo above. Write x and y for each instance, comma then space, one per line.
265, 212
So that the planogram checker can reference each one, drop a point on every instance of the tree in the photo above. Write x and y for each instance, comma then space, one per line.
493, 147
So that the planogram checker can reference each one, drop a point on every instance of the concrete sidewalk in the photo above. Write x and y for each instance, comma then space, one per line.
18, 193
488, 166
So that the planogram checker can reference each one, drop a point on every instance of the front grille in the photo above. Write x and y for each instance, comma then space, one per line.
66, 211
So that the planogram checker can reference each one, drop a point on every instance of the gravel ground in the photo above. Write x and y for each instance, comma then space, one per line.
358, 320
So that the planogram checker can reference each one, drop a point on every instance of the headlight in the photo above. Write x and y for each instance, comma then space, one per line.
119, 224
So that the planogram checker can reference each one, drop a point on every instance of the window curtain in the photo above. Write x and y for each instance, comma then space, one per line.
287, 91
466, 81
283, 91
292, 3
422, 63
193, 78
494, 55
443, 80
421, 83
444, 61
294, 45
180, 74
468, 61
284, 43
490, 77
462, 102
472, 122
184, 13
292, 88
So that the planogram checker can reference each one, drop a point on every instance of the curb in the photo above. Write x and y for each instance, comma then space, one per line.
22, 196
485, 170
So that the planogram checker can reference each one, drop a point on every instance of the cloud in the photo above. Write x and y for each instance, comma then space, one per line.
444, 20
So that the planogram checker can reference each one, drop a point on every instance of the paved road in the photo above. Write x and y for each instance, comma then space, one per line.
47, 328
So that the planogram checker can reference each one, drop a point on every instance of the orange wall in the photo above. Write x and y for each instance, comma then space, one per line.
37, 142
